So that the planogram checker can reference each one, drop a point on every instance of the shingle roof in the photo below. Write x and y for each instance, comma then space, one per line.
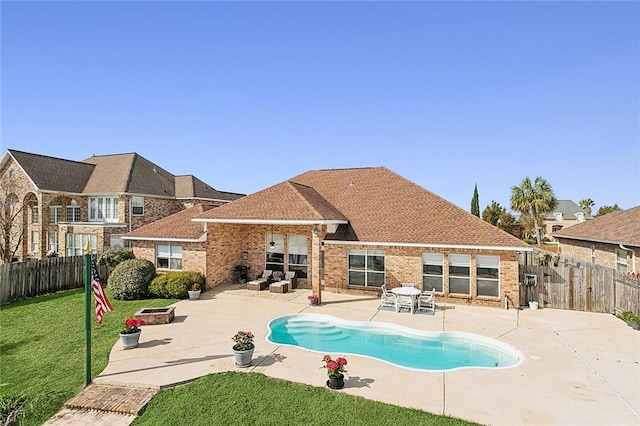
129, 173
53, 174
176, 226
189, 186
617, 227
568, 209
284, 201
380, 205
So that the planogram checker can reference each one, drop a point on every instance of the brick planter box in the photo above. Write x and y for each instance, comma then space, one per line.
152, 316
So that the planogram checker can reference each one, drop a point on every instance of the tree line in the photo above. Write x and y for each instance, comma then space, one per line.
532, 200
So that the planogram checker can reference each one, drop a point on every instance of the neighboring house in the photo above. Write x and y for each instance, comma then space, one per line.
611, 240
565, 214
95, 201
350, 230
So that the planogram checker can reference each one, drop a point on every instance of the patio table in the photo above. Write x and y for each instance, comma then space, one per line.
407, 291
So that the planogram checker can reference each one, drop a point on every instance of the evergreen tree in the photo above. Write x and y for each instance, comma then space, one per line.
475, 202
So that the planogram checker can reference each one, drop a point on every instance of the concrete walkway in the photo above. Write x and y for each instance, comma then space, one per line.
580, 368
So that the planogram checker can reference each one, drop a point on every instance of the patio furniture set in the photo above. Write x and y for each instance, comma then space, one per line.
275, 280
408, 297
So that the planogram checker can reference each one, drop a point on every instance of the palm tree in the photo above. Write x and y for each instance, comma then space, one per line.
586, 204
533, 199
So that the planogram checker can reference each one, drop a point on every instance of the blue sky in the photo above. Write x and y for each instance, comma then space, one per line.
244, 95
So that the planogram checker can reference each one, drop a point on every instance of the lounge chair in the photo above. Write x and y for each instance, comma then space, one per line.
260, 283
427, 301
387, 299
291, 279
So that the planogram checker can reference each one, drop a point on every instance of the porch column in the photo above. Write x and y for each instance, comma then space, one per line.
316, 286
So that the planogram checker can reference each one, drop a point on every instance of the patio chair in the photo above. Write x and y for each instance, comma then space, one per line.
427, 301
387, 299
291, 279
260, 283
404, 302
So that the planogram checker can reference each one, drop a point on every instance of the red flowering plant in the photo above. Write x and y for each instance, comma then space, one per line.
335, 367
131, 325
244, 340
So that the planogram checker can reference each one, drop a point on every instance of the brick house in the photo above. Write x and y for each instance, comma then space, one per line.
352, 230
97, 200
612, 240
565, 214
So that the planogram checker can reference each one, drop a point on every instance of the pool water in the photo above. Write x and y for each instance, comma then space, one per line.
394, 344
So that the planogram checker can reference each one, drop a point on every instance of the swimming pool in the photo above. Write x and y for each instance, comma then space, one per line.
391, 343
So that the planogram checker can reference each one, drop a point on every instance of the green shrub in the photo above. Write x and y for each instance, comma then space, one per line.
158, 287
113, 257
628, 316
174, 285
130, 279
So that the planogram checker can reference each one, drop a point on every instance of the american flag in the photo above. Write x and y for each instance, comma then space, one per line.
102, 303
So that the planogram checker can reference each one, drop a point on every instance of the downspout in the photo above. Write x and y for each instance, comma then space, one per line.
633, 257
130, 215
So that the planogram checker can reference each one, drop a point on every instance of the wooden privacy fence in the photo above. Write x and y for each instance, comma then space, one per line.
578, 285
36, 277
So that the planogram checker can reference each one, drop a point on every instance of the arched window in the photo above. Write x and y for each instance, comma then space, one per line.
73, 211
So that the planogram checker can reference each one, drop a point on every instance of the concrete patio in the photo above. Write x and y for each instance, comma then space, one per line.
579, 368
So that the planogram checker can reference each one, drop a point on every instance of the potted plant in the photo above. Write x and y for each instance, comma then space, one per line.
335, 371
313, 300
243, 348
194, 291
130, 335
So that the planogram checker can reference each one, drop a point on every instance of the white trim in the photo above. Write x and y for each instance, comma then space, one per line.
445, 246
94, 224
271, 221
203, 199
595, 240
200, 239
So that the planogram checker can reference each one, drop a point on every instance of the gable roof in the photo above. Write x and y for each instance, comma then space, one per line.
617, 227
127, 173
285, 202
189, 186
177, 226
568, 209
379, 205
53, 174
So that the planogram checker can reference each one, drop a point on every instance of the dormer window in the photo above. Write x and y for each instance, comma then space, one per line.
580, 216
558, 216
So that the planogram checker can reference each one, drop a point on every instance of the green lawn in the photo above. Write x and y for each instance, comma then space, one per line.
42, 356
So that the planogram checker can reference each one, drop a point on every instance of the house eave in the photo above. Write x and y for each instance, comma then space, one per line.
597, 240
200, 239
426, 245
272, 221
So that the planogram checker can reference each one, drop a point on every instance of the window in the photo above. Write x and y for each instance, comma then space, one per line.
432, 265
35, 216
73, 212
556, 228
116, 242
168, 257
12, 174
621, 261
297, 250
137, 206
593, 254
459, 273
103, 209
580, 217
558, 217
55, 214
275, 252
366, 268
35, 242
76, 243
488, 275
53, 242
